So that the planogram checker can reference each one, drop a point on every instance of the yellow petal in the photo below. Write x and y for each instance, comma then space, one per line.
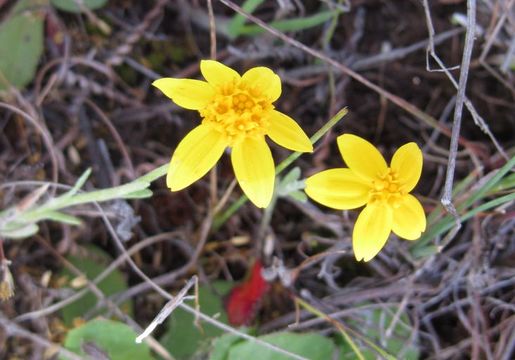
286, 132
361, 156
217, 73
407, 163
187, 93
338, 189
194, 156
409, 219
265, 80
255, 171
371, 231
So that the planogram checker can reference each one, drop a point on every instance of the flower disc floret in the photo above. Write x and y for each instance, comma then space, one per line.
383, 189
237, 112
387, 188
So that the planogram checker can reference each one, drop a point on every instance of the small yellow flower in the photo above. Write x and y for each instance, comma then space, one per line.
384, 190
237, 112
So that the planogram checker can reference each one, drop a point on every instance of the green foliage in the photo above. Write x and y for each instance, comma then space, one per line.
92, 263
296, 24
21, 222
74, 7
183, 338
114, 339
21, 43
222, 345
310, 346
290, 185
236, 27
238, 21
439, 222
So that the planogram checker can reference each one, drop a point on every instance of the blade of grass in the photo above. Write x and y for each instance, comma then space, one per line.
295, 24
335, 323
445, 222
238, 20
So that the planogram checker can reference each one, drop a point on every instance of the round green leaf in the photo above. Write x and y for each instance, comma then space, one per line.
112, 338
72, 5
21, 44
310, 346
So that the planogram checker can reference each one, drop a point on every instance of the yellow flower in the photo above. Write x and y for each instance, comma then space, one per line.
237, 112
384, 190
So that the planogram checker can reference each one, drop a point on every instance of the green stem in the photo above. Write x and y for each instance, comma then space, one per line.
136, 188
338, 325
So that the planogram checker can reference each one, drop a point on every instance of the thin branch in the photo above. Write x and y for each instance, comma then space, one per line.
458, 112
478, 120
12, 329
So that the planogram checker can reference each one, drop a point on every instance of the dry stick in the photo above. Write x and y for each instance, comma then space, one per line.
213, 180
169, 307
12, 329
410, 108
115, 264
212, 29
225, 197
45, 134
401, 52
121, 51
490, 40
478, 120
116, 135
458, 111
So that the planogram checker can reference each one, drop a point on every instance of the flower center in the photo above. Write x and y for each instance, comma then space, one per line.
386, 188
238, 111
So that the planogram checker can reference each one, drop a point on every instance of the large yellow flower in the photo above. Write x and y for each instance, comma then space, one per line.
384, 190
237, 112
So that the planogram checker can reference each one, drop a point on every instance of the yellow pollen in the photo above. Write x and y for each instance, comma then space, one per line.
238, 111
386, 188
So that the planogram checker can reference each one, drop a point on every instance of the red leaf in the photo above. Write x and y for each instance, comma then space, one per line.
244, 299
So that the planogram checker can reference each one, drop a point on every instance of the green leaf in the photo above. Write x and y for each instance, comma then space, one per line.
62, 218
20, 232
310, 346
21, 43
290, 185
238, 21
140, 194
222, 345
292, 176
299, 196
92, 262
72, 5
294, 24
79, 184
113, 338
183, 338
